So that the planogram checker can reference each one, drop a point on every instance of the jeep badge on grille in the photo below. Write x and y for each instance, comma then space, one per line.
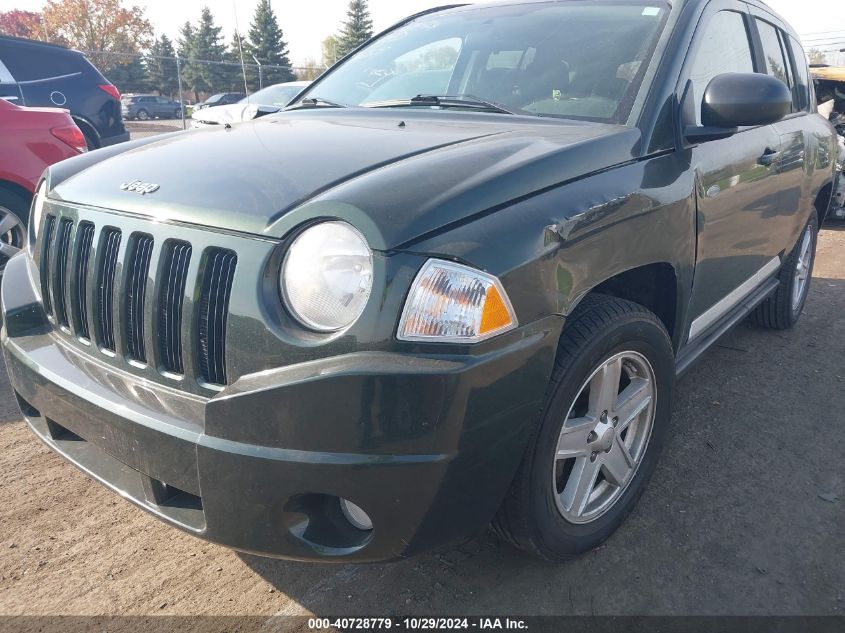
140, 187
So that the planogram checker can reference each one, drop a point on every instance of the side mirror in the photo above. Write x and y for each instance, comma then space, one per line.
734, 100
738, 99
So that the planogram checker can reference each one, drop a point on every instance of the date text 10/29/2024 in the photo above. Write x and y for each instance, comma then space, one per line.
417, 624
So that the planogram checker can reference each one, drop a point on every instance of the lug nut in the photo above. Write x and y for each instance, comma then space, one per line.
615, 421
592, 437
593, 456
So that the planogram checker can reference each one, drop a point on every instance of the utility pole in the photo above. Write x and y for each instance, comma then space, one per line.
260, 74
181, 98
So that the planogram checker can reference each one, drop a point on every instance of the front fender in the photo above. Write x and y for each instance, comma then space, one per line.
553, 248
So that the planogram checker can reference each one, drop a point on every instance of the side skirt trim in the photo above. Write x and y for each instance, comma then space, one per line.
724, 306
692, 351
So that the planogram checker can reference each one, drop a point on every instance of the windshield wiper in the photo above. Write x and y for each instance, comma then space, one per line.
314, 102
444, 101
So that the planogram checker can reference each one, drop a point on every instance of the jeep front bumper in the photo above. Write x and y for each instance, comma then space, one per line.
425, 445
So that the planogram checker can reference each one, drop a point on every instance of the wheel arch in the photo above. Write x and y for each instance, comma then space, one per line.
821, 204
654, 286
88, 130
15, 188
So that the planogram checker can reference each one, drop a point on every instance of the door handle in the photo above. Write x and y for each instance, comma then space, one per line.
768, 157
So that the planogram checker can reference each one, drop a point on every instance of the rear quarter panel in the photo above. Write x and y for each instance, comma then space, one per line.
821, 168
78, 93
28, 147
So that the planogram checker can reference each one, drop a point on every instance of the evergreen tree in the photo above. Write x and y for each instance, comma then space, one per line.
234, 74
185, 46
330, 47
161, 67
357, 29
130, 76
266, 43
207, 47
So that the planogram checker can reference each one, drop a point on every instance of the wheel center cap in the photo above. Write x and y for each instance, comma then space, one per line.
605, 434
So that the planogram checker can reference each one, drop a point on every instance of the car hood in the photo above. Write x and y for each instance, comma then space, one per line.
397, 175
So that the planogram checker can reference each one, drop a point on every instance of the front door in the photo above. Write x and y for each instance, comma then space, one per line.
737, 181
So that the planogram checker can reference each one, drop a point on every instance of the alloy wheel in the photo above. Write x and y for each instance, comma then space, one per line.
12, 236
802, 268
604, 437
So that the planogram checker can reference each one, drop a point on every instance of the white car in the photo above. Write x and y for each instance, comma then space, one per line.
270, 99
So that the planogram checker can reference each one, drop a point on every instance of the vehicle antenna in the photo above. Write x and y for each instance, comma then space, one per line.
240, 50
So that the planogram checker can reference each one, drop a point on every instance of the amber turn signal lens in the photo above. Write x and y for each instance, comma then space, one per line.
495, 315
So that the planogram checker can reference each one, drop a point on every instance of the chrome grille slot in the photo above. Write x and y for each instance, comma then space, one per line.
61, 270
150, 300
46, 259
137, 266
171, 299
79, 294
109, 245
218, 274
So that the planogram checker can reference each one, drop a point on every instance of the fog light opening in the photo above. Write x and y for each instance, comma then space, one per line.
27, 409
355, 515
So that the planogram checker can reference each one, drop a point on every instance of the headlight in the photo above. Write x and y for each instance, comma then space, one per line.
453, 303
36, 212
327, 276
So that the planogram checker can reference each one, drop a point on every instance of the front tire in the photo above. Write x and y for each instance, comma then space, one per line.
782, 310
14, 212
600, 435
142, 115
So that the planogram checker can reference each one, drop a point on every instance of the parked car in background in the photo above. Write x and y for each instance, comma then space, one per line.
366, 326
48, 75
143, 107
223, 98
31, 139
266, 101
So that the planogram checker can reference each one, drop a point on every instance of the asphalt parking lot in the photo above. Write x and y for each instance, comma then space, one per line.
153, 127
745, 515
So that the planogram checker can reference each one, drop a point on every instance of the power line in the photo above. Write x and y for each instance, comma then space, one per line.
830, 40
822, 33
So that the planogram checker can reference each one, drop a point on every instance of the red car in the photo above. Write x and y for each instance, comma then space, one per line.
31, 139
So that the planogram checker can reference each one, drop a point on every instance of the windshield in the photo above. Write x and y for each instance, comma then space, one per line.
562, 59
214, 98
280, 95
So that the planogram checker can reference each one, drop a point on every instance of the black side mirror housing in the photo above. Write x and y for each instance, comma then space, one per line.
734, 100
739, 99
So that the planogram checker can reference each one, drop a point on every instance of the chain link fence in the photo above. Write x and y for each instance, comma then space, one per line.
188, 81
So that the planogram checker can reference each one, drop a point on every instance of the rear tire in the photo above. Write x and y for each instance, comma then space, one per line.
177, 114
541, 513
783, 309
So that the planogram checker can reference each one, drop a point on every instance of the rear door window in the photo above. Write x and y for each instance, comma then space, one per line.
777, 59
5, 75
803, 84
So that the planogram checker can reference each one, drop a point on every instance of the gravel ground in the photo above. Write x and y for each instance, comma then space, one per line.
744, 515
